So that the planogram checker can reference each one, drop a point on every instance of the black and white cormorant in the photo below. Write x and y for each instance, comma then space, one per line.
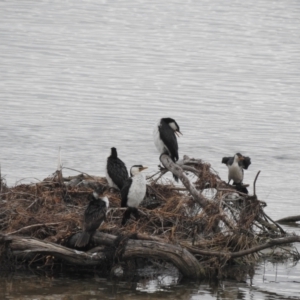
116, 171
164, 135
236, 166
133, 192
94, 216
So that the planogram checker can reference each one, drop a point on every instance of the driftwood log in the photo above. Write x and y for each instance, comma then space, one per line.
27, 248
291, 219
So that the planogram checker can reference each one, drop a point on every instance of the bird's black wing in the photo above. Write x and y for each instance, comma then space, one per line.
245, 163
125, 191
227, 160
94, 215
117, 171
168, 136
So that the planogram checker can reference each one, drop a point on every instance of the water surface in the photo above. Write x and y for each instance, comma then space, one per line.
89, 75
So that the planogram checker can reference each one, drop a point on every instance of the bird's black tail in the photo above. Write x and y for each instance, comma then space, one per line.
83, 239
241, 188
175, 158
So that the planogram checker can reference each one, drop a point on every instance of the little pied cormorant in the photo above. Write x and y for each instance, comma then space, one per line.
164, 135
236, 166
133, 192
116, 171
94, 216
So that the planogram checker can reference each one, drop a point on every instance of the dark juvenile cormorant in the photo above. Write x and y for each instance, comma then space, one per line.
133, 192
165, 140
236, 166
94, 215
116, 171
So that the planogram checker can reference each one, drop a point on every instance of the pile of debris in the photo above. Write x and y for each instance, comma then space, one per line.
201, 227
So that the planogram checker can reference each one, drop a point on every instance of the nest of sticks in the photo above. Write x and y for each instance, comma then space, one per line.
212, 224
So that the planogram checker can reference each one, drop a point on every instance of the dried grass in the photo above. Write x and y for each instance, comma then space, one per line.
52, 211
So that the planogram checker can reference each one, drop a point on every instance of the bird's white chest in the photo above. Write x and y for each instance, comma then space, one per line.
235, 173
159, 144
110, 181
137, 191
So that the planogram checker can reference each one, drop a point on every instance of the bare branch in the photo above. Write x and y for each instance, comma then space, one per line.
32, 226
289, 219
229, 255
177, 170
199, 198
254, 184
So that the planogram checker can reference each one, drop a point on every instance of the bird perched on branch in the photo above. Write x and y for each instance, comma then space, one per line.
236, 166
133, 192
164, 135
94, 216
116, 171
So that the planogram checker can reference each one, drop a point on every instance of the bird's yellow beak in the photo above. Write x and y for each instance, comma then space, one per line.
178, 133
143, 168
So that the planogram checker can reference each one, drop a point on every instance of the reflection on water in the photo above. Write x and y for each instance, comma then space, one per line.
282, 279
32, 287
29, 286
89, 75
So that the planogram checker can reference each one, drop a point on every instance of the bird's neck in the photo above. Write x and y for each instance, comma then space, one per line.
138, 176
236, 160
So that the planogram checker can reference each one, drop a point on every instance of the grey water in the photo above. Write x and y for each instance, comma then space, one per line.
89, 75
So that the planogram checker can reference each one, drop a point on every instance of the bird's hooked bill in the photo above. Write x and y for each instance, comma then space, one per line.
178, 133
143, 168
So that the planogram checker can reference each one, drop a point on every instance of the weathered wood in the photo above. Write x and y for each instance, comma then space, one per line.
154, 247
291, 219
198, 197
26, 228
270, 243
186, 263
178, 171
101, 238
275, 223
108, 239
26, 246
268, 225
254, 183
